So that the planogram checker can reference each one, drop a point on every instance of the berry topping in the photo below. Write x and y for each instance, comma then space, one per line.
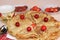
51, 9
56, 10
36, 16
33, 25
17, 24
28, 29
20, 8
47, 9
45, 19
0, 14
22, 17
43, 28
35, 8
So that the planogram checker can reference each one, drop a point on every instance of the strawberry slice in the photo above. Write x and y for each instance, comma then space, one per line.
35, 8
56, 10
47, 9
20, 8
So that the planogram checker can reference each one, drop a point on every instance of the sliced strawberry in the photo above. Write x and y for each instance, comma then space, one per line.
51, 9
47, 9
35, 8
20, 8
56, 10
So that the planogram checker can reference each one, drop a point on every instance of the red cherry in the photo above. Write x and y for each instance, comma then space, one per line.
36, 16
22, 17
17, 24
0, 14
43, 28
45, 19
28, 29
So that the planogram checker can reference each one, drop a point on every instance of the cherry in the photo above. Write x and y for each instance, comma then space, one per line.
45, 19
36, 16
28, 29
22, 17
43, 28
17, 24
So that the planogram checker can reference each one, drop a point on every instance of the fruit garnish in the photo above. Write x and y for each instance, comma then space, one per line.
51, 9
45, 19
17, 24
33, 25
0, 14
20, 8
43, 28
56, 10
35, 8
29, 29
47, 9
36, 16
22, 17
